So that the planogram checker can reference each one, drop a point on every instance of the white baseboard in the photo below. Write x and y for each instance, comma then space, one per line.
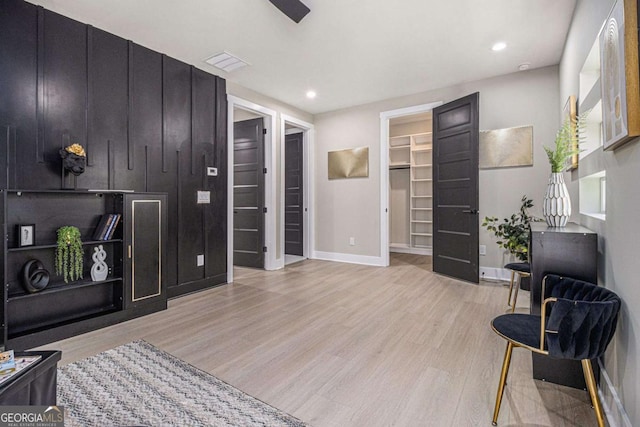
348, 258
612, 406
494, 273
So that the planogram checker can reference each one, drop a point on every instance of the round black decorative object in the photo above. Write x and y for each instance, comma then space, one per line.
34, 276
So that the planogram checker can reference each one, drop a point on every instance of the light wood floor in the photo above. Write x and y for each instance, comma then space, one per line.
346, 345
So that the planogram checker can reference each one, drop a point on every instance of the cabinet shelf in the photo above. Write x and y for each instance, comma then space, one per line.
62, 321
53, 245
421, 221
421, 149
426, 165
61, 287
422, 180
399, 165
422, 197
399, 147
421, 234
421, 209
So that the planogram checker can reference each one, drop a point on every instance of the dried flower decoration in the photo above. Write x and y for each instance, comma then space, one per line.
76, 149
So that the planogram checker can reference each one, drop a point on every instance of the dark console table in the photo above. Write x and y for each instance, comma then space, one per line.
570, 251
35, 385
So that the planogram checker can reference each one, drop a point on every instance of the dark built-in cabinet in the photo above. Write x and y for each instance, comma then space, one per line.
570, 251
134, 285
148, 123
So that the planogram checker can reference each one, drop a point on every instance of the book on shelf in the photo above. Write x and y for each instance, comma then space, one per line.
112, 227
102, 230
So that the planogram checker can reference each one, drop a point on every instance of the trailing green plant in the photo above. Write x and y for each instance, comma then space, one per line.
567, 143
513, 232
69, 253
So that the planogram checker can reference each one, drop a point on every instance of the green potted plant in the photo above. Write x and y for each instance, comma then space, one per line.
69, 253
556, 207
513, 232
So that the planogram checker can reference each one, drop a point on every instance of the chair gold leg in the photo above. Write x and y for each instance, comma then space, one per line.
593, 390
503, 380
513, 276
515, 295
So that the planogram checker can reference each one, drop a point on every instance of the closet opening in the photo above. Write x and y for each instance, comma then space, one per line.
410, 184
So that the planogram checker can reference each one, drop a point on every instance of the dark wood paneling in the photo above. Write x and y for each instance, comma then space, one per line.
65, 89
68, 82
18, 80
216, 220
163, 164
145, 117
107, 106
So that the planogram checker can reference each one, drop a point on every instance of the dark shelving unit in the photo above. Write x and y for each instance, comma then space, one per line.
64, 309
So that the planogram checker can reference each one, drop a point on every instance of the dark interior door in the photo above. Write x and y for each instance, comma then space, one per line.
293, 204
248, 193
455, 188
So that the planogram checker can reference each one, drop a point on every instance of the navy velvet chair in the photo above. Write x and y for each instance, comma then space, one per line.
522, 269
577, 321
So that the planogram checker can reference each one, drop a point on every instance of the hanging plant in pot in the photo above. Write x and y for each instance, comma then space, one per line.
556, 206
69, 253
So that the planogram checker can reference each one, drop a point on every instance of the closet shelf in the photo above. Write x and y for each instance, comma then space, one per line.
422, 166
399, 165
399, 147
421, 221
421, 149
422, 197
421, 234
421, 209
411, 134
422, 180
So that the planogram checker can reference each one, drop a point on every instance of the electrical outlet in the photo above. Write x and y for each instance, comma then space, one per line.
200, 260
483, 249
352, 241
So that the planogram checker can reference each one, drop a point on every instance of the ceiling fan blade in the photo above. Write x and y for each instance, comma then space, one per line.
294, 9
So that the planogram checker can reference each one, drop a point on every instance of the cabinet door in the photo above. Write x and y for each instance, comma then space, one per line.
146, 234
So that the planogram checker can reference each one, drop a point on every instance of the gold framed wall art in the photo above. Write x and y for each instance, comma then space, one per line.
619, 79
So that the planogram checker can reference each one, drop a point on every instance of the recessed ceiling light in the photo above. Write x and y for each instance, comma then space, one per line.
498, 46
311, 94
524, 66
226, 62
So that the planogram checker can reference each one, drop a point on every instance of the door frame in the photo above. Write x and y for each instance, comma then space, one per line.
385, 116
308, 134
269, 116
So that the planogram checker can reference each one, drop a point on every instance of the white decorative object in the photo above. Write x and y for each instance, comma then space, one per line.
556, 207
99, 269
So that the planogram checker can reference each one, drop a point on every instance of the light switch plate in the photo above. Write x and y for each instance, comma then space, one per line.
204, 197
211, 171
200, 260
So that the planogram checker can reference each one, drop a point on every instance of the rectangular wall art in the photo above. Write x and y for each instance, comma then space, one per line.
504, 148
619, 78
352, 163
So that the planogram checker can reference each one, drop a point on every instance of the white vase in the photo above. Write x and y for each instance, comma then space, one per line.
556, 207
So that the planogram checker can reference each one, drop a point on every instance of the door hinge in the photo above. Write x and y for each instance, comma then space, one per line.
264, 131
264, 170
264, 249
264, 210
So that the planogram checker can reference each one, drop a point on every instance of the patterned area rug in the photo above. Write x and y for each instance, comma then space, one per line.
138, 384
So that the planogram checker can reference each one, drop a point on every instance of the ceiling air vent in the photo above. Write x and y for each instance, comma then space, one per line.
226, 62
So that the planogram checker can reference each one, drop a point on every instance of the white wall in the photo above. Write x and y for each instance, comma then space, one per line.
619, 234
350, 208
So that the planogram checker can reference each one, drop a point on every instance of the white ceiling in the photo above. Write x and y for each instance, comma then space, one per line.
350, 52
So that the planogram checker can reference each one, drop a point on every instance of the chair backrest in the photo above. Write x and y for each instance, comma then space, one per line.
583, 320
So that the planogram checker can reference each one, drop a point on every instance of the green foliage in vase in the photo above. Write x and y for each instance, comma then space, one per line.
69, 253
513, 232
567, 143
